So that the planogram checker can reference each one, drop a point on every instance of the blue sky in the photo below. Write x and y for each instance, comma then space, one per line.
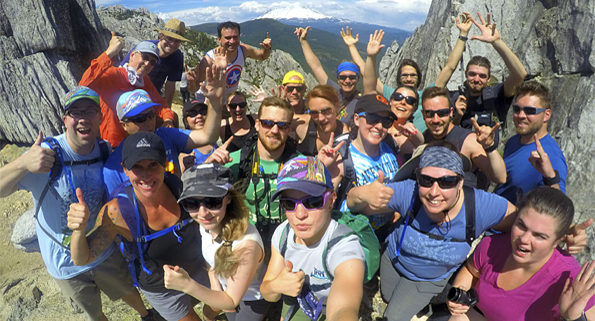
404, 14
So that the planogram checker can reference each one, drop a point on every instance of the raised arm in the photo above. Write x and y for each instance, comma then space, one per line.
346, 291
261, 54
311, 58
36, 160
464, 26
490, 34
374, 47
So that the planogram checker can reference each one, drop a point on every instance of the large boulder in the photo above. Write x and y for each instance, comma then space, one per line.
554, 40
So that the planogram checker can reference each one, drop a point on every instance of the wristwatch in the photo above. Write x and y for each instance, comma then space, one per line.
549, 181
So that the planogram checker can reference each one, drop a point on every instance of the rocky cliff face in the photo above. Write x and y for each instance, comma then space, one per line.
554, 40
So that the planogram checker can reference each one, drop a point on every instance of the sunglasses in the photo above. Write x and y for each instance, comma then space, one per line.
445, 182
290, 89
195, 112
150, 58
473, 74
141, 118
310, 203
234, 105
408, 75
325, 112
527, 110
440, 112
82, 113
268, 124
373, 119
408, 99
210, 203
351, 77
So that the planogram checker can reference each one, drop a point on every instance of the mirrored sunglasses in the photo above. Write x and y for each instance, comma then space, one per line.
408, 99
309, 203
268, 124
528, 110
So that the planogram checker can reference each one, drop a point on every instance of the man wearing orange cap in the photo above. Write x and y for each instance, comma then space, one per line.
295, 86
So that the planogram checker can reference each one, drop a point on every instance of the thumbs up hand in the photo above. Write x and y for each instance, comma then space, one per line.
290, 283
78, 214
38, 159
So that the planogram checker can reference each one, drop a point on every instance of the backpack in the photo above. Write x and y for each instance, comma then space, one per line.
133, 251
55, 172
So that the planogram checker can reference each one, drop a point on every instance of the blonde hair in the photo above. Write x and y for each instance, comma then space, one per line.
233, 227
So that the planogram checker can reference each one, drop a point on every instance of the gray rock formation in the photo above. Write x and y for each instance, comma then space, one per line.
24, 235
44, 48
554, 40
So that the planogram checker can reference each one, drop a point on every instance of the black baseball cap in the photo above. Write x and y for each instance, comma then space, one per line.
141, 146
206, 180
373, 104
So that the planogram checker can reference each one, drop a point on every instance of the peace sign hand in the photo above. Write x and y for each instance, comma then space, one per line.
328, 154
540, 160
485, 134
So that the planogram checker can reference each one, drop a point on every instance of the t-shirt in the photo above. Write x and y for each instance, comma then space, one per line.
309, 258
426, 259
56, 203
210, 247
168, 68
535, 300
418, 118
366, 171
347, 107
174, 141
521, 176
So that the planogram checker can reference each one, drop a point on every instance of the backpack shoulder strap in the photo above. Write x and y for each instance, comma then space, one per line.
469, 193
104, 150
348, 179
283, 240
340, 233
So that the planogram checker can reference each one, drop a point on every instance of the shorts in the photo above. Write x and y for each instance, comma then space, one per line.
111, 277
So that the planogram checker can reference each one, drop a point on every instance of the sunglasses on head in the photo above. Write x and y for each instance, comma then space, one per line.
325, 112
440, 112
351, 77
290, 89
150, 58
527, 110
268, 124
210, 203
473, 74
310, 203
408, 75
445, 182
373, 119
141, 118
408, 99
234, 105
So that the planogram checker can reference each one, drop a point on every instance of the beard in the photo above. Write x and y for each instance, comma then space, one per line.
272, 142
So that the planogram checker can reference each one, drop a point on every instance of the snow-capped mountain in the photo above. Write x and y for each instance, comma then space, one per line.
295, 12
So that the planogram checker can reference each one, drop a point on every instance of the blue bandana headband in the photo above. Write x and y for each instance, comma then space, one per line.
441, 157
347, 66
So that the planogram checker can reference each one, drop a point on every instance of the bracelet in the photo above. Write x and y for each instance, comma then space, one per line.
491, 148
583, 317
549, 181
463, 38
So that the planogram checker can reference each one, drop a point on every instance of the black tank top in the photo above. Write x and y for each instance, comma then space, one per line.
308, 145
238, 141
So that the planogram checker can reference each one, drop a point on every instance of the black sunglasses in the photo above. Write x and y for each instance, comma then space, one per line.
351, 77
373, 119
290, 89
241, 105
324, 112
268, 124
440, 112
310, 203
140, 118
408, 99
527, 110
445, 182
193, 204
194, 112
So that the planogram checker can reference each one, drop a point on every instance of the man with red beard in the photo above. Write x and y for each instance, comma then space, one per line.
480, 147
532, 157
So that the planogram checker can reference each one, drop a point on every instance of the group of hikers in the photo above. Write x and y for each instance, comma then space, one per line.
323, 198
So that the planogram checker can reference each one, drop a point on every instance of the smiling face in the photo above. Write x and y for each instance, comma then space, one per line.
237, 113
146, 177
369, 134
309, 225
477, 78
82, 121
528, 125
347, 80
533, 237
230, 39
435, 199
322, 112
438, 125
142, 62
274, 138
409, 76
401, 108
167, 45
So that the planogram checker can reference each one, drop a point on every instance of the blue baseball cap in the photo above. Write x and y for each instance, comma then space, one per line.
148, 47
132, 103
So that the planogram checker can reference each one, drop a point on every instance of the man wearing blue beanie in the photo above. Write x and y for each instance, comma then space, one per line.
348, 76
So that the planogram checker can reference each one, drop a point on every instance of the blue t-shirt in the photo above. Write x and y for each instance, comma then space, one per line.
168, 68
366, 171
521, 176
425, 259
418, 118
174, 141
56, 203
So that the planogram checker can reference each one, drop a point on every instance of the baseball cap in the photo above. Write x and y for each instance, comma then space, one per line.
80, 92
206, 180
147, 47
199, 101
305, 174
293, 77
141, 146
174, 28
132, 103
373, 104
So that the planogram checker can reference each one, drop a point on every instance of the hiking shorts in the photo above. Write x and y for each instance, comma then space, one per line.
111, 277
